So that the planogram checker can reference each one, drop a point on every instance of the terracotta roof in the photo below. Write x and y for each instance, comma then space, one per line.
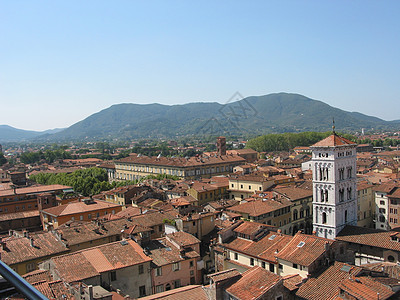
180, 161
392, 269
253, 284
368, 236
304, 249
163, 252
19, 215
223, 275
292, 281
326, 285
130, 211
294, 193
34, 190
79, 207
78, 232
190, 292
19, 249
183, 239
37, 276
366, 288
53, 290
91, 262
263, 248
258, 207
333, 141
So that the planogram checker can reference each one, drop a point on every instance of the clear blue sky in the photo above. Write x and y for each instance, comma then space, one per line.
61, 61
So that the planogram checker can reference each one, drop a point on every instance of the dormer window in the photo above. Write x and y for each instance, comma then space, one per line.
301, 244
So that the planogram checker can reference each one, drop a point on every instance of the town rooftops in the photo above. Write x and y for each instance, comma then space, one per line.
92, 262
333, 141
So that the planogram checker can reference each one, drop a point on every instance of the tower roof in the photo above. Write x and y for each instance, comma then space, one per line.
332, 141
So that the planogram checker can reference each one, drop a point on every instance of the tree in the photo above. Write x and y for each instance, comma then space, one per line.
3, 160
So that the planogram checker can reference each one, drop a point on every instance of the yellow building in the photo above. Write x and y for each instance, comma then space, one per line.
244, 186
137, 166
301, 207
365, 204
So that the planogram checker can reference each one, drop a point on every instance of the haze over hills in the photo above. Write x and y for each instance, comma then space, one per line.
273, 113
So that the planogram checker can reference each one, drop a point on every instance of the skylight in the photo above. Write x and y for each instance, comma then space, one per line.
301, 244
272, 237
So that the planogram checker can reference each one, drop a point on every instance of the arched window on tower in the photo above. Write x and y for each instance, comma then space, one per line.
322, 196
324, 218
349, 172
326, 174
345, 216
326, 195
320, 174
341, 195
349, 193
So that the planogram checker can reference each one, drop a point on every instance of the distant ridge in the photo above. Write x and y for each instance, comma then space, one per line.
251, 116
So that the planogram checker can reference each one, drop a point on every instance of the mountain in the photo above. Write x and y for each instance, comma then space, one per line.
274, 113
11, 134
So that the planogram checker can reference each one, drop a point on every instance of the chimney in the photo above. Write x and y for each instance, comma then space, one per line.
26, 233
10, 232
279, 231
31, 242
90, 289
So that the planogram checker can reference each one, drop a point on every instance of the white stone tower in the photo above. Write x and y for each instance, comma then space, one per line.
334, 185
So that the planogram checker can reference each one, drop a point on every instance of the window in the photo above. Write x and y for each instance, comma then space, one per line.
81, 218
176, 266
159, 288
30, 267
191, 264
89, 216
177, 283
141, 269
113, 275
295, 266
249, 187
158, 271
236, 256
280, 267
142, 291
159, 227
167, 287
324, 218
251, 261
232, 185
382, 202
263, 264
271, 267
390, 258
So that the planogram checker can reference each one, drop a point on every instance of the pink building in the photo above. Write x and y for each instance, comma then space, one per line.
176, 261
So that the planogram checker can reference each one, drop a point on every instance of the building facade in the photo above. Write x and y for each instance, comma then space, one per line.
334, 185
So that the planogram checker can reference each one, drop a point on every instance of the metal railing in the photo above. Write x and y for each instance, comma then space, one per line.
20, 283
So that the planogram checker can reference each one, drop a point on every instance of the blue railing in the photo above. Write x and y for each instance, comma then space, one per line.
20, 283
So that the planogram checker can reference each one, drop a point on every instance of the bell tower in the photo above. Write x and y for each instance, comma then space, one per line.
334, 185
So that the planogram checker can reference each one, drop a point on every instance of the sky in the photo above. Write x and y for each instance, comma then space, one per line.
61, 61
